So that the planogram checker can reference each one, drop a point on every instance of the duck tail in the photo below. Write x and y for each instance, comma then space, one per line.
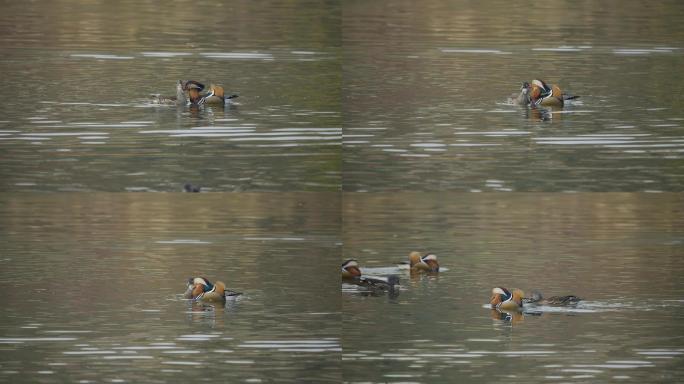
231, 293
233, 96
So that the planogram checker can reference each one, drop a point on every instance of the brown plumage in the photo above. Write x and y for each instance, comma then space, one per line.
504, 299
427, 262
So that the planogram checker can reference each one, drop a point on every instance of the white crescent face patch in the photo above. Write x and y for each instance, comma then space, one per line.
498, 291
350, 263
429, 256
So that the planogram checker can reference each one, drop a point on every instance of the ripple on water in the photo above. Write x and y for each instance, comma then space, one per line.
166, 54
564, 48
183, 241
642, 51
475, 51
101, 56
238, 55
198, 337
303, 345
21, 340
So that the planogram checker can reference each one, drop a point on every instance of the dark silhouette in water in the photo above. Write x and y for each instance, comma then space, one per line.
374, 284
191, 188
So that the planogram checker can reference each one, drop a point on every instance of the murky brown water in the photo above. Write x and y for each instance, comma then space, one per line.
620, 252
80, 118
426, 88
92, 286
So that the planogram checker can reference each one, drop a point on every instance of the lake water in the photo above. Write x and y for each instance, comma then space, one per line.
92, 287
402, 105
426, 88
622, 253
80, 117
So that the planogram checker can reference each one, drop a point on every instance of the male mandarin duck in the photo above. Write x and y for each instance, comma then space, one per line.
216, 96
351, 270
427, 262
200, 288
504, 299
538, 93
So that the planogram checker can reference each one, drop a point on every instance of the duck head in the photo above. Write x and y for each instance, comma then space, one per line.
194, 95
427, 262
197, 286
350, 269
502, 298
191, 84
524, 97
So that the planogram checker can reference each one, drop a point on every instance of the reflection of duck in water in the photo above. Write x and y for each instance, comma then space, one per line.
537, 298
351, 274
504, 299
511, 316
200, 288
423, 263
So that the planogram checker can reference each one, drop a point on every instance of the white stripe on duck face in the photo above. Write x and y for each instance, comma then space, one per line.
204, 99
349, 263
506, 294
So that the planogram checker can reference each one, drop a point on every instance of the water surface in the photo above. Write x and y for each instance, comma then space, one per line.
426, 88
620, 252
92, 286
79, 117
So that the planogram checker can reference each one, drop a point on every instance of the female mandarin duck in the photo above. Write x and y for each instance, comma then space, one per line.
216, 96
200, 288
426, 263
539, 93
351, 273
185, 90
537, 298
504, 299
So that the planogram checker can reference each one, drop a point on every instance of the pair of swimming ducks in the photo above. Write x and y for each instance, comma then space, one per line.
351, 272
189, 92
502, 298
201, 289
538, 93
